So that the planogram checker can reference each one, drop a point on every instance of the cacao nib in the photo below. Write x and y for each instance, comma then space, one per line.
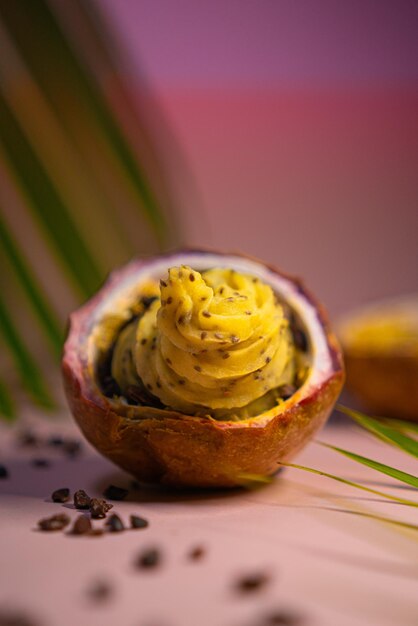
55, 522
27, 439
197, 553
115, 524
81, 526
282, 618
100, 591
72, 448
115, 493
252, 582
14, 618
81, 499
149, 559
61, 495
138, 522
41, 463
55, 441
99, 508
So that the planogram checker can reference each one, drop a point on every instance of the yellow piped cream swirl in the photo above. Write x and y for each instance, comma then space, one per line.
216, 340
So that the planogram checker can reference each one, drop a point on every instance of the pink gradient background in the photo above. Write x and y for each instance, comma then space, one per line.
299, 124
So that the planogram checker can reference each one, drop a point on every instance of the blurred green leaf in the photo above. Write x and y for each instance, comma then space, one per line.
404, 477
30, 374
79, 82
48, 207
351, 483
50, 323
7, 405
382, 431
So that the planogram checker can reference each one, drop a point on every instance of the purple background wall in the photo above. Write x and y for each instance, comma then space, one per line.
299, 122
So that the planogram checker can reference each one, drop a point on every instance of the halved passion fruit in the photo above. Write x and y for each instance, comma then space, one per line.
199, 368
380, 343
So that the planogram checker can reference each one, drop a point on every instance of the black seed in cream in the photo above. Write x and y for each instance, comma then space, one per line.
247, 312
203, 335
226, 355
192, 277
268, 359
163, 283
143, 342
169, 300
197, 368
234, 338
206, 314
182, 381
168, 361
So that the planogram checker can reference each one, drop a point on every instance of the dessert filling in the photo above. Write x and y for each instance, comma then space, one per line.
216, 343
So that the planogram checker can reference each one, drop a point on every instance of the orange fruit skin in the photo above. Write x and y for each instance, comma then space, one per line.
190, 451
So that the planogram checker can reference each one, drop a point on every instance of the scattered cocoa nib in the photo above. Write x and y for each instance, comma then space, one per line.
55, 441
27, 439
41, 463
14, 618
81, 499
81, 526
56, 522
115, 493
115, 524
282, 618
4, 473
100, 591
138, 522
99, 508
148, 559
61, 495
72, 448
252, 582
197, 553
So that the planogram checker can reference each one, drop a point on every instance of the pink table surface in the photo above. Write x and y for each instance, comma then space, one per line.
327, 562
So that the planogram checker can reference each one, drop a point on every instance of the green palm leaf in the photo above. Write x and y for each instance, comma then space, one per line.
79, 160
30, 374
404, 477
351, 483
382, 431
50, 322
7, 405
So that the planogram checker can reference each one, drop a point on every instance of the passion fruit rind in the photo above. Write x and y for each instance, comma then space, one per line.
161, 445
385, 384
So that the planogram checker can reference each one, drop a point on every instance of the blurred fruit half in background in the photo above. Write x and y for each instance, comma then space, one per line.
380, 343
83, 180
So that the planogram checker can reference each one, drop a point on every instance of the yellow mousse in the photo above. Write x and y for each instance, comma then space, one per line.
216, 340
